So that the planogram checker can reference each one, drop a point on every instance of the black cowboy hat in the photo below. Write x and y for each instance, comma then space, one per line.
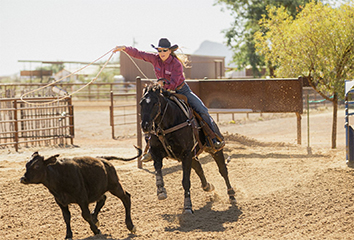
164, 43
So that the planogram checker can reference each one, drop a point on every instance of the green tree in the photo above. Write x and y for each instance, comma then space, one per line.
53, 67
108, 73
318, 44
240, 36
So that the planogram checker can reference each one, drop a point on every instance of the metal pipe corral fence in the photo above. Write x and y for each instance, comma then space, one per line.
29, 125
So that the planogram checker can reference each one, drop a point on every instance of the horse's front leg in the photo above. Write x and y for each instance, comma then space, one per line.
208, 187
161, 191
186, 182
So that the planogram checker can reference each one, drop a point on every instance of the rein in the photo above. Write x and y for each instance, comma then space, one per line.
174, 128
159, 113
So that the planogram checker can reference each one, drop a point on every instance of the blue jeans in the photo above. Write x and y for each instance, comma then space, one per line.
197, 105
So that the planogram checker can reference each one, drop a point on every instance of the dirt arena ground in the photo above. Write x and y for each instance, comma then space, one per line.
282, 191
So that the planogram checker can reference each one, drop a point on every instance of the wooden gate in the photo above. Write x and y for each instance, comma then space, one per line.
36, 125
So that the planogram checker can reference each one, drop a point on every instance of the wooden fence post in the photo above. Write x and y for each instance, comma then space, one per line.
298, 116
139, 135
15, 125
111, 110
71, 120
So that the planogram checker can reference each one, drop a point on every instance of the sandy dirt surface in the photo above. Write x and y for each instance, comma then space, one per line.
282, 191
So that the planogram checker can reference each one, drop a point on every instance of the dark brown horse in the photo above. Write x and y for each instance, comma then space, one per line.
172, 136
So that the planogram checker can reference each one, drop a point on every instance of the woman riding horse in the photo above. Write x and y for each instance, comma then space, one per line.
169, 72
172, 131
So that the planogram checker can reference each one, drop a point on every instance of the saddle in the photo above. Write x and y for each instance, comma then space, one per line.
198, 124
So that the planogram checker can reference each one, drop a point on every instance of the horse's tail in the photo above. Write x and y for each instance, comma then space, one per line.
123, 159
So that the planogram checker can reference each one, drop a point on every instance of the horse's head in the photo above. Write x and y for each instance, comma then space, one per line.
150, 105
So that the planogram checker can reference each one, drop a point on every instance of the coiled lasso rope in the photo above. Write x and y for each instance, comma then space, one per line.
67, 96
93, 80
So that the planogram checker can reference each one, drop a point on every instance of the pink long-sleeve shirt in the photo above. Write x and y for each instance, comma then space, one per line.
171, 69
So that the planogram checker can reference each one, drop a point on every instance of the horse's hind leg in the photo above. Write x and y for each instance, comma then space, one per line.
220, 161
208, 187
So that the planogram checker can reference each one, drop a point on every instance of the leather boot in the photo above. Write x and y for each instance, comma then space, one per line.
217, 144
147, 157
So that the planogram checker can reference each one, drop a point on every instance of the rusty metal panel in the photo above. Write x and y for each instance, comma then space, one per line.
36, 73
264, 95
283, 96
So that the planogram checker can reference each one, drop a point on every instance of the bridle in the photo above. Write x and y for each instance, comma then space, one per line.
158, 114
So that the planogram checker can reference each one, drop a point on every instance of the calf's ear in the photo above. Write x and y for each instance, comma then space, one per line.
51, 160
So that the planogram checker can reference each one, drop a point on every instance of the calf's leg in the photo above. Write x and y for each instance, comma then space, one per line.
124, 196
67, 217
100, 203
85, 212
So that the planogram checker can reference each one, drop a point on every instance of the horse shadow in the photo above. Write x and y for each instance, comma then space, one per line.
109, 237
276, 155
169, 170
204, 219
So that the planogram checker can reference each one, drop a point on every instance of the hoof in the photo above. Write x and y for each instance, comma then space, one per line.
231, 193
133, 231
162, 196
188, 211
209, 187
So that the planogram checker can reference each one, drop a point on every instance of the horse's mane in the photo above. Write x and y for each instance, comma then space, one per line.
152, 87
155, 87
